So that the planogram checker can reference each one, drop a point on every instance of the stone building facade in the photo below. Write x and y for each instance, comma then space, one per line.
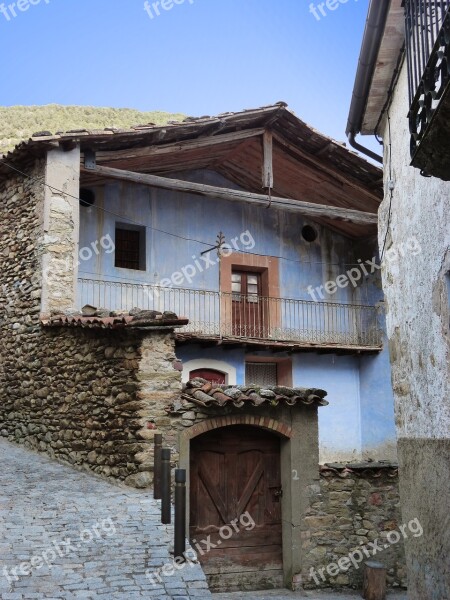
92, 390
417, 287
79, 393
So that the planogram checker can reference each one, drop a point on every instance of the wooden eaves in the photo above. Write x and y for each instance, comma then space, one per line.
299, 206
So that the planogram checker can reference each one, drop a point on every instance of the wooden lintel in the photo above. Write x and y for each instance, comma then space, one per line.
299, 206
267, 175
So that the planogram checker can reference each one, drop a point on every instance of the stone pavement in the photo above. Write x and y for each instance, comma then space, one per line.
67, 535
286, 595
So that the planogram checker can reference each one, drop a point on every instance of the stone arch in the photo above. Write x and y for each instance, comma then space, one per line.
267, 423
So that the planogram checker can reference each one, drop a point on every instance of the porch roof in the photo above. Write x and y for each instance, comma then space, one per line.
206, 394
113, 320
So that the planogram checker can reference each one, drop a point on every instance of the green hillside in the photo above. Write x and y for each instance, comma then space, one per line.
18, 123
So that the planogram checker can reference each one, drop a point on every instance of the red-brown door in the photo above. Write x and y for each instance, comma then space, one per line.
235, 477
248, 310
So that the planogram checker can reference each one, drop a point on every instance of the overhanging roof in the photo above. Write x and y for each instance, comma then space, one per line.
307, 165
389, 54
381, 53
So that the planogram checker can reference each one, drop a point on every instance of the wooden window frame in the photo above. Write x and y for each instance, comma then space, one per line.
284, 370
142, 245
269, 268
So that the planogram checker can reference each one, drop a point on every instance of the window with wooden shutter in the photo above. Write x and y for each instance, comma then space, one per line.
130, 247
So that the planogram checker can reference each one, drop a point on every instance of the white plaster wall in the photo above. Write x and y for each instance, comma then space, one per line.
416, 296
59, 244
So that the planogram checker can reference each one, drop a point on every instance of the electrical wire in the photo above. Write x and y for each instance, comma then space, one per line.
208, 244
123, 217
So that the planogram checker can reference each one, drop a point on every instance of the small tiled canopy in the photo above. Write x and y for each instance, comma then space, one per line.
206, 394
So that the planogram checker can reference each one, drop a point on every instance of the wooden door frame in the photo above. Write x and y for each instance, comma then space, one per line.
299, 463
269, 268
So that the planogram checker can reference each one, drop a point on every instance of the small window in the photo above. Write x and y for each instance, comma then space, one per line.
309, 234
246, 286
87, 197
130, 247
261, 374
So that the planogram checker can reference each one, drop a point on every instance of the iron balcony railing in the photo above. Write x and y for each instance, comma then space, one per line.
228, 315
427, 24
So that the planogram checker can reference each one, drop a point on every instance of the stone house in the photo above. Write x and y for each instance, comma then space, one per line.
402, 95
206, 279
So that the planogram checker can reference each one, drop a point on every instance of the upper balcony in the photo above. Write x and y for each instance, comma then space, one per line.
428, 55
228, 317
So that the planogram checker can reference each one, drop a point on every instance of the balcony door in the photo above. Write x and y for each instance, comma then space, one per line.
247, 304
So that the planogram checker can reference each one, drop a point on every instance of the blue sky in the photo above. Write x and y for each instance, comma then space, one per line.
200, 57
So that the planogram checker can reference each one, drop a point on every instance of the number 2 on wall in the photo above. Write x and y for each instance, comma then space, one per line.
295, 475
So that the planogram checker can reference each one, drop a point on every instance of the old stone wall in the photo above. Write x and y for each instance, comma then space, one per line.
417, 292
351, 511
347, 508
75, 394
72, 393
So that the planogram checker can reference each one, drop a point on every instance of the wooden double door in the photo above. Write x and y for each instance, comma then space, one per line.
235, 508
250, 309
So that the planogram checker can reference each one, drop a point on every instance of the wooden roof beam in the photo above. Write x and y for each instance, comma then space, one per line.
299, 206
187, 145
318, 166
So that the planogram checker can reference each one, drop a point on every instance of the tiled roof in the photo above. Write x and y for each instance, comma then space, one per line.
101, 320
277, 116
361, 469
206, 394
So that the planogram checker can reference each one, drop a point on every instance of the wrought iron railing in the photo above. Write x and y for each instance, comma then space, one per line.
228, 315
427, 25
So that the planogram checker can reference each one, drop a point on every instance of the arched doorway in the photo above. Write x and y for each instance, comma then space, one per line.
235, 507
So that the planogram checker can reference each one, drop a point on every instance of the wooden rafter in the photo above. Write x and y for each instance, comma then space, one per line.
299, 206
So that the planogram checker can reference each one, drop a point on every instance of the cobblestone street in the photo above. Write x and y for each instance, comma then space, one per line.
68, 535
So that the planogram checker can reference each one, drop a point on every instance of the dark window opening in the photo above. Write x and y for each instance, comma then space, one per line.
87, 197
130, 247
309, 233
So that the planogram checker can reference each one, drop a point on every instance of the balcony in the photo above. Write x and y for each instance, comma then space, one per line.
228, 317
428, 56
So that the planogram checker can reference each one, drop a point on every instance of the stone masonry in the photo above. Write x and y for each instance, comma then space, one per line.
88, 397
94, 396
349, 506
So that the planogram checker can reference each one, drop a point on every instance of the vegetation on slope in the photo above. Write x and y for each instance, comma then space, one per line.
18, 123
